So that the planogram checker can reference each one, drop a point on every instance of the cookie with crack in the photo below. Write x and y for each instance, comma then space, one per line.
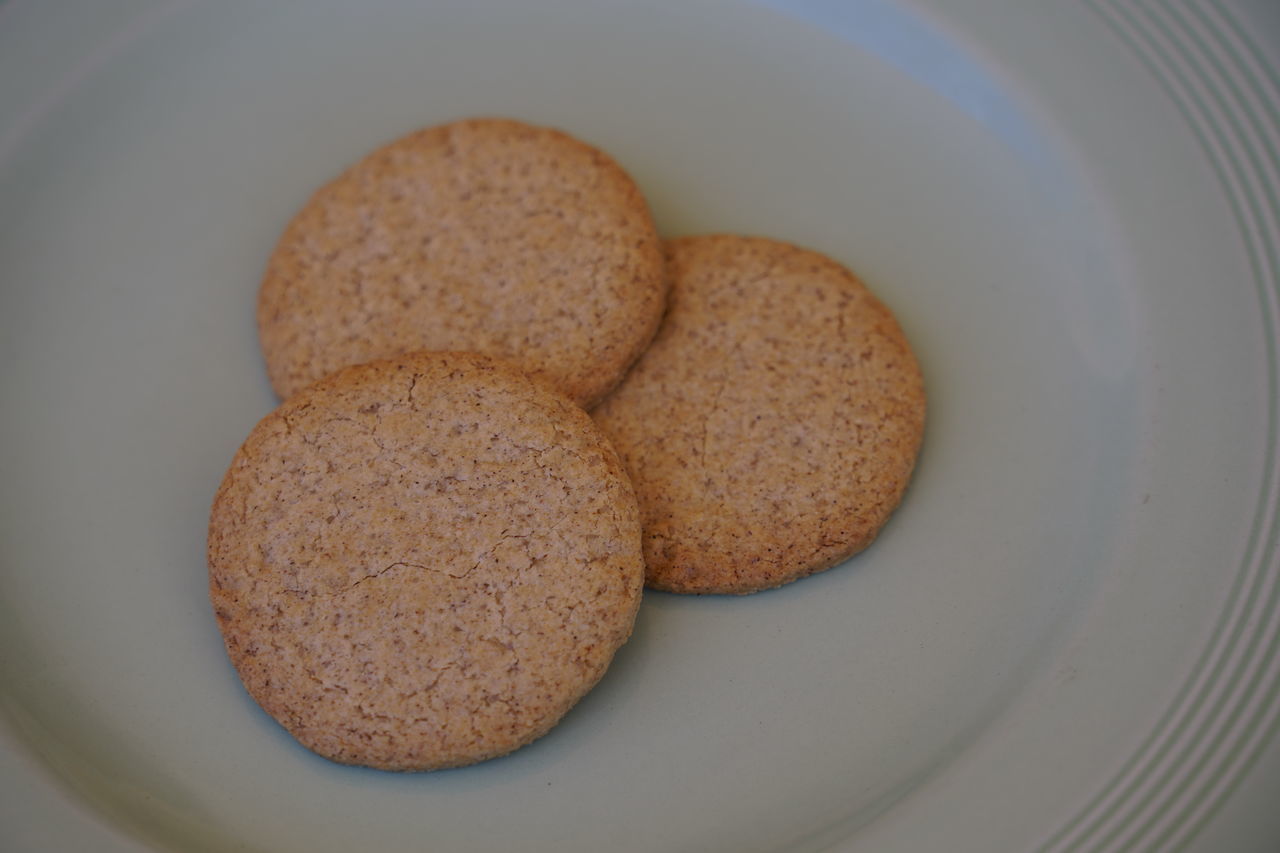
486, 235
773, 425
423, 562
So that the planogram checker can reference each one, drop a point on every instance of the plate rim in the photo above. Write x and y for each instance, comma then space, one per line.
1224, 713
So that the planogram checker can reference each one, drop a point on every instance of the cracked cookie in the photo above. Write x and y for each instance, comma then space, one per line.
486, 235
423, 562
771, 428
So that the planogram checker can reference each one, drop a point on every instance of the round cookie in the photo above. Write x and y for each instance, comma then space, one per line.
486, 235
772, 426
423, 562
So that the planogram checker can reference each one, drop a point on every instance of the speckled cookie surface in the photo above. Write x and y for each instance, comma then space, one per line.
423, 563
773, 425
487, 235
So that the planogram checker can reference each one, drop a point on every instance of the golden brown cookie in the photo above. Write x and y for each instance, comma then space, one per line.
423, 562
487, 235
772, 426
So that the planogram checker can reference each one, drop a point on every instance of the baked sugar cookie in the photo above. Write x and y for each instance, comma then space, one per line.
772, 426
423, 562
487, 235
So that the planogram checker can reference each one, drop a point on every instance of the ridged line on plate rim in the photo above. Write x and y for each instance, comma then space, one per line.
1226, 710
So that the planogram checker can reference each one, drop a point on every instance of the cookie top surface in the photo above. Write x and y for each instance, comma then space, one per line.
423, 562
774, 423
487, 235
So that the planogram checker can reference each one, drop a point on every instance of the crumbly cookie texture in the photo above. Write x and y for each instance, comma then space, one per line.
488, 235
773, 425
423, 562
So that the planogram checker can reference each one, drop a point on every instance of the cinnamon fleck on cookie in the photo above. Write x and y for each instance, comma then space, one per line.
773, 425
423, 562
486, 235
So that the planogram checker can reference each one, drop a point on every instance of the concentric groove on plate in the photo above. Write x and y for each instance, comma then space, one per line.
1227, 709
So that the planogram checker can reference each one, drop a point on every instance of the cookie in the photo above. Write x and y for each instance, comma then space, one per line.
423, 562
773, 425
486, 235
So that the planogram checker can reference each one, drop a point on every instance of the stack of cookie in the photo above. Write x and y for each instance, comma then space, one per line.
430, 551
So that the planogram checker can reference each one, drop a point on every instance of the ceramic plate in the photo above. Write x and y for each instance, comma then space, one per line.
1067, 637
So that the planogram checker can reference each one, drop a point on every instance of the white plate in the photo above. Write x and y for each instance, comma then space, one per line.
1066, 639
